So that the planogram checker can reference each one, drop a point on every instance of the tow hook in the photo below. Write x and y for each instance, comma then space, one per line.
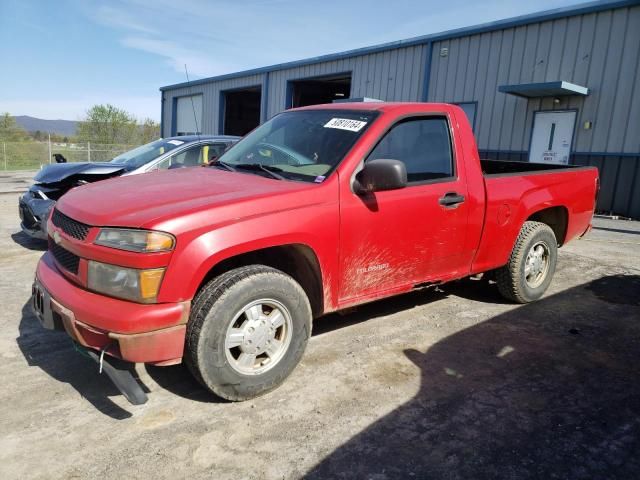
121, 378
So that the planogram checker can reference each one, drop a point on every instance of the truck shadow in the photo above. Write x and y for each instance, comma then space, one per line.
547, 390
179, 381
379, 308
477, 290
54, 353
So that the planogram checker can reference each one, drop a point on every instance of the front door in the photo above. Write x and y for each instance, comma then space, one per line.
552, 137
395, 238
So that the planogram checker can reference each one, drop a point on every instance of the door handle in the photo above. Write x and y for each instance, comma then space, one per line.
451, 199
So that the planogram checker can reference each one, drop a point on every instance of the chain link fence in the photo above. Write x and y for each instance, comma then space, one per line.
33, 155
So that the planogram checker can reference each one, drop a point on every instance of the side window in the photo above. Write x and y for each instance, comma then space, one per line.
215, 150
190, 157
423, 144
164, 164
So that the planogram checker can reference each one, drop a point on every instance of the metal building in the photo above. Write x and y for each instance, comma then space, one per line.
559, 86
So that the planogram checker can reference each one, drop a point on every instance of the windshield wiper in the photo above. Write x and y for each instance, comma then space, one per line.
224, 165
265, 168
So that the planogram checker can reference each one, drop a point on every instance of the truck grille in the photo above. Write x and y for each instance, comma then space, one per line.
67, 260
69, 226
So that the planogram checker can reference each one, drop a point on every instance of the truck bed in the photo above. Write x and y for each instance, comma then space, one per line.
516, 189
502, 167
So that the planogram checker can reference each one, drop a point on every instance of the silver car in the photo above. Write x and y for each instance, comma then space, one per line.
56, 179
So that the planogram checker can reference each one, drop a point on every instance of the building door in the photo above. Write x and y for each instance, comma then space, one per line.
552, 137
188, 115
241, 110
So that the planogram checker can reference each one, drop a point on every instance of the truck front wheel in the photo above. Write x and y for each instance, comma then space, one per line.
531, 266
248, 330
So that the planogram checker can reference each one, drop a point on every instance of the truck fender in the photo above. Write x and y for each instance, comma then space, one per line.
197, 257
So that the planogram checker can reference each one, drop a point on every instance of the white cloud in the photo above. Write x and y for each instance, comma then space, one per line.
224, 36
215, 38
180, 36
122, 19
176, 56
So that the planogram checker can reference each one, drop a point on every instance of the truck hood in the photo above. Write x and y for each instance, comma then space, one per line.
164, 199
59, 172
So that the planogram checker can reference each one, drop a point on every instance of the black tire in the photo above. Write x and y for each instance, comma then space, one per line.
213, 310
511, 278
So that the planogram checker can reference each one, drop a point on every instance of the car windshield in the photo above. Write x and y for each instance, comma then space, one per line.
144, 154
302, 145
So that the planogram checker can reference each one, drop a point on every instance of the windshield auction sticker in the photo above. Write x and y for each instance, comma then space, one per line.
345, 124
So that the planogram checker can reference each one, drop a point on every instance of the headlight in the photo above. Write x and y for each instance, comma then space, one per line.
144, 241
126, 283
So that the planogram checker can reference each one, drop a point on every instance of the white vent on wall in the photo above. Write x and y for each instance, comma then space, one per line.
444, 52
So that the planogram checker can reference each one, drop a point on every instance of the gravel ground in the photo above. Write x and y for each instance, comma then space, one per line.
453, 383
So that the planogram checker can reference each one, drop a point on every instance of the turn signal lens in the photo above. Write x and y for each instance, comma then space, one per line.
143, 241
157, 241
150, 281
126, 283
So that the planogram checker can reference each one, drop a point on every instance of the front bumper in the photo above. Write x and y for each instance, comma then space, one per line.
131, 331
34, 213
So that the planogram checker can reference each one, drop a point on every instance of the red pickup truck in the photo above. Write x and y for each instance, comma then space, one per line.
319, 209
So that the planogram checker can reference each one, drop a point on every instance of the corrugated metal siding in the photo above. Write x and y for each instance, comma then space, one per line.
394, 75
210, 100
619, 183
598, 50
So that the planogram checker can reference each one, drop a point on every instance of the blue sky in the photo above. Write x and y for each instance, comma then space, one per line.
58, 58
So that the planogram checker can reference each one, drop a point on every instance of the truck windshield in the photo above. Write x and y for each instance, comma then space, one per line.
144, 154
301, 145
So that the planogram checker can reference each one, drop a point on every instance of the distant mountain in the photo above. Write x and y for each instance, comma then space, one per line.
61, 127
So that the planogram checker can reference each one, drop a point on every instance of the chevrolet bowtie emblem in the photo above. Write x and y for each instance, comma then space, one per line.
56, 237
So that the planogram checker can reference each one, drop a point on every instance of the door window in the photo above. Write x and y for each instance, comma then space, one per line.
213, 151
423, 144
190, 157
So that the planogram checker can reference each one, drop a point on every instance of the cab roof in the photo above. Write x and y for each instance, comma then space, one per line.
375, 106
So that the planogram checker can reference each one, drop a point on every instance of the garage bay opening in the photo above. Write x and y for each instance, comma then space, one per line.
319, 90
241, 110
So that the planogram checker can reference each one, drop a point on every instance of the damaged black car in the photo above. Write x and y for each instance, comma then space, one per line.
54, 180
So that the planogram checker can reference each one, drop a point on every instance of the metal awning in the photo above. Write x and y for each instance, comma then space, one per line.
545, 89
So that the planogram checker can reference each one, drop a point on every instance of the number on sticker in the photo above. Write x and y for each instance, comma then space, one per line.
345, 124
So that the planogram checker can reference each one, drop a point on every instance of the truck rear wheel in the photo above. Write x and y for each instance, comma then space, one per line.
247, 332
531, 266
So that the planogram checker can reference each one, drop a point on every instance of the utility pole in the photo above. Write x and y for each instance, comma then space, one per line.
49, 147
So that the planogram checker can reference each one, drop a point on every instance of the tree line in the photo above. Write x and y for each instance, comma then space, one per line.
102, 124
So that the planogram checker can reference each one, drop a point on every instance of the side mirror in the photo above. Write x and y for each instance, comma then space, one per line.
381, 174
